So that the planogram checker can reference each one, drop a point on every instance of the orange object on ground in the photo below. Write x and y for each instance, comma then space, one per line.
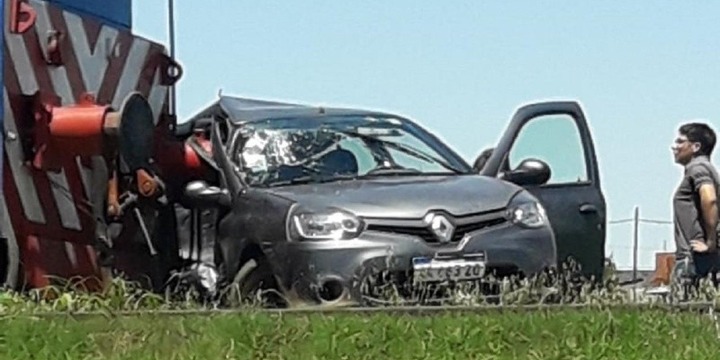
664, 263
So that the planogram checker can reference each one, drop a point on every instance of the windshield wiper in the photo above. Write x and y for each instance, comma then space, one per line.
307, 179
406, 149
294, 181
384, 171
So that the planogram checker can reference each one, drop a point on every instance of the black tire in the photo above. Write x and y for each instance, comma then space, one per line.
253, 277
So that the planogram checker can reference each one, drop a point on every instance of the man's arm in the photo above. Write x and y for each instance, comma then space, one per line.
704, 185
708, 205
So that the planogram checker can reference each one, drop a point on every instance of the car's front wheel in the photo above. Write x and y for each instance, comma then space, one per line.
255, 285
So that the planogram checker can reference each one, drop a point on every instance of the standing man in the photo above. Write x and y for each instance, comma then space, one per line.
695, 204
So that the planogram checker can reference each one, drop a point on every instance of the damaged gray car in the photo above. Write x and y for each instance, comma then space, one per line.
316, 203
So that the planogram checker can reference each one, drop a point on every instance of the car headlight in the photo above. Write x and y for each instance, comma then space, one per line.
527, 212
330, 224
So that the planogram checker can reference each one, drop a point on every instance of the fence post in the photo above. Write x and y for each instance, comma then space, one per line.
636, 221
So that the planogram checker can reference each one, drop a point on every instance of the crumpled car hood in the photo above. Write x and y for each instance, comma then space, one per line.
405, 197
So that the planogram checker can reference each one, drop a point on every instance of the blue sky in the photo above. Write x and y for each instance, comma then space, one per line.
460, 68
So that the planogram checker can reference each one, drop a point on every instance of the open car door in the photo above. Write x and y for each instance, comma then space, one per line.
557, 134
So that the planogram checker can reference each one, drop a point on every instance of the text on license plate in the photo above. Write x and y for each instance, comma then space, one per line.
430, 270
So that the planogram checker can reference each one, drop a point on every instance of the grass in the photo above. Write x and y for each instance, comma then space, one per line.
601, 331
559, 288
119, 295
559, 334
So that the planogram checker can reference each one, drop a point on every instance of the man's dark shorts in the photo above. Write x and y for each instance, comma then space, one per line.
696, 267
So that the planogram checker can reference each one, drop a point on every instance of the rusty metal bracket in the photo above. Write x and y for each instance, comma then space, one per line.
22, 16
147, 186
171, 71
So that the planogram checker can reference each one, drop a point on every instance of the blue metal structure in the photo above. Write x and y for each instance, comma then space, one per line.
116, 13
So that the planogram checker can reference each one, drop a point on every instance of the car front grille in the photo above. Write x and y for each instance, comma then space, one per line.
422, 231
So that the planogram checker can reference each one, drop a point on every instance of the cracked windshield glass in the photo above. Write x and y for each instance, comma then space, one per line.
320, 149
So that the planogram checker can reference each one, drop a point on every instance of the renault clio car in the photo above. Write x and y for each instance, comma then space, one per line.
316, 200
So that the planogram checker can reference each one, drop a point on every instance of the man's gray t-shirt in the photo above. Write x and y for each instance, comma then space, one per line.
686, 203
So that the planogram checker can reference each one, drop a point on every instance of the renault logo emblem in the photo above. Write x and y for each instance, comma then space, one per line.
440, 226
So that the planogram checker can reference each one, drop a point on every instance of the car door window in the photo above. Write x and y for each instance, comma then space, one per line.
554, 139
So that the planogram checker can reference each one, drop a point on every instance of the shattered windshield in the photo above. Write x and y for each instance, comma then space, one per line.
329, 148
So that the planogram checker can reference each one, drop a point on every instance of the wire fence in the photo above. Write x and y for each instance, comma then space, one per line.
644, 221
640, 252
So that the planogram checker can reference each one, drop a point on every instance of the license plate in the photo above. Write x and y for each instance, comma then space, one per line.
434, 270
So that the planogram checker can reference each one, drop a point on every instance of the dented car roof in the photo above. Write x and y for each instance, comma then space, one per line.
244, 110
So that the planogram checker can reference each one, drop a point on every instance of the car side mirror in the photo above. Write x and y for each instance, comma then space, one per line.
198, 193
529, 172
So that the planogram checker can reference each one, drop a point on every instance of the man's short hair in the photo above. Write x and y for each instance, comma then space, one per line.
701, 133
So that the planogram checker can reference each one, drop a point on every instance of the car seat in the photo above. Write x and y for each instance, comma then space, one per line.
338, 162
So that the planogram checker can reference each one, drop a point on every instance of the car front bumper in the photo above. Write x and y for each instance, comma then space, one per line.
310, 269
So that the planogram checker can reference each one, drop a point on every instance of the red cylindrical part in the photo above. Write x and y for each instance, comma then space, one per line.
78, 130
179, 160
192, 159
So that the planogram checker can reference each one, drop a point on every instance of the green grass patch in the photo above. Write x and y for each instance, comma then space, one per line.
564, 287
548, 334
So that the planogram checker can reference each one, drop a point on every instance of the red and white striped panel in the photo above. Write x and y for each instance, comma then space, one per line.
50, 207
